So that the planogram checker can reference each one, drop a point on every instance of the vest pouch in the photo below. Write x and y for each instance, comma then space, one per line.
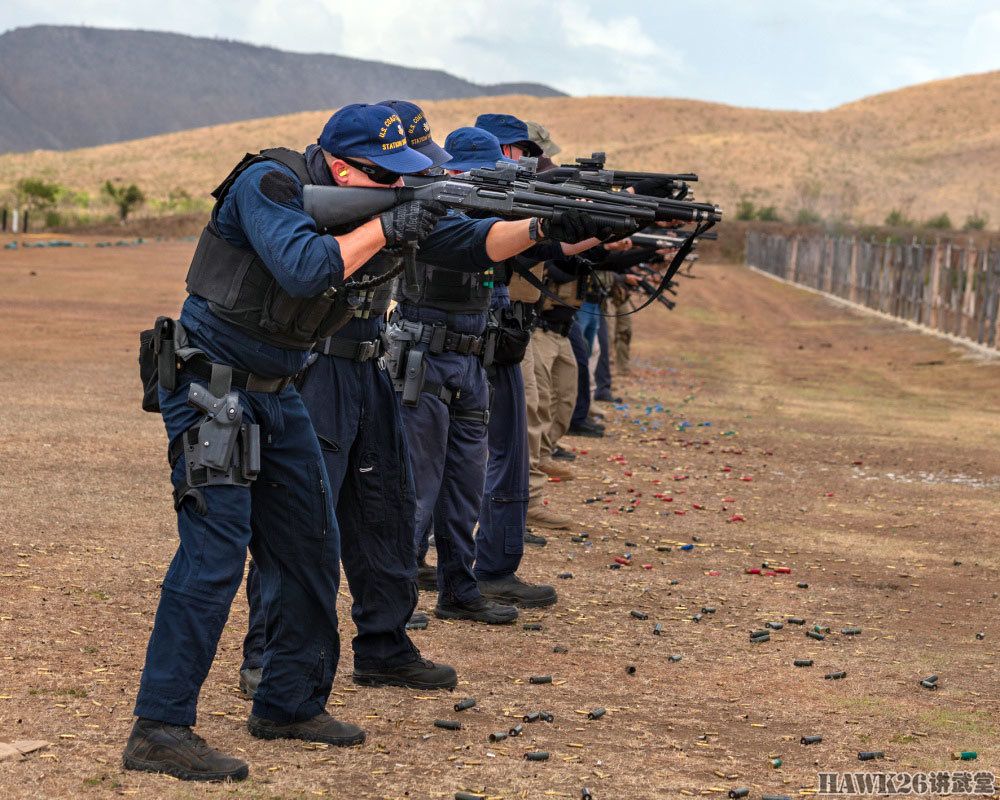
279, 311
449, 286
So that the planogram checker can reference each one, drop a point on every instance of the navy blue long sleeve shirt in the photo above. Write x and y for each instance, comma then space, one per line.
304, 262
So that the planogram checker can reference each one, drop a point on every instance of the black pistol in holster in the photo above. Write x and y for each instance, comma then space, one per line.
221, 450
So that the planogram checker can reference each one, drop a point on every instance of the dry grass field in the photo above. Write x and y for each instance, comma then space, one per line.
926, 149
761, 425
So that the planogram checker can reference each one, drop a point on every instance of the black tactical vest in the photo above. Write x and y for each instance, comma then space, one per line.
445, 289
241, 290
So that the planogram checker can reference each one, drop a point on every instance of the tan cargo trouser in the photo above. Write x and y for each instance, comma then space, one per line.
555, 379
620, 334
536, 480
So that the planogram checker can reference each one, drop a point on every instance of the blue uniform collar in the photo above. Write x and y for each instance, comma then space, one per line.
316, 165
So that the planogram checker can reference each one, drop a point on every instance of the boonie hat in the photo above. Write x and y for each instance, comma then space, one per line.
509, 130
473, 148
418, 130
539, 134
374, 132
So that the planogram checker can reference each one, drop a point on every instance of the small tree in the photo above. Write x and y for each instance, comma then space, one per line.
36, 194
941, 222
125, 198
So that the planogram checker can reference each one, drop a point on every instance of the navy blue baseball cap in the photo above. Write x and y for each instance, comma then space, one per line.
509, 130
373, 132
418, 130
473, 148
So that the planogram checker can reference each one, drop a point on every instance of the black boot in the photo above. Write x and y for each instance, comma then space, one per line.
249, 681
419, 674
518, 593
321, 728
179, 751
563, 455
586, 428
479, 610
427, 577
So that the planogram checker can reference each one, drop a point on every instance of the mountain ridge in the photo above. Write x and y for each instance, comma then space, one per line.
66, 87
922, 150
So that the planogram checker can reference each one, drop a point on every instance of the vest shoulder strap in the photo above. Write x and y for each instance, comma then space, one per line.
296, 162
292, 159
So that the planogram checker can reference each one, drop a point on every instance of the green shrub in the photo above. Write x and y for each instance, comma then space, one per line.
746, 210
808, 217
768, 214
976, 222
942, 222
897, 219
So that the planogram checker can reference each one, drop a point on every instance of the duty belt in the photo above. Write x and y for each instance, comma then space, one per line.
562, 328
439, 339
201, 367
349, 348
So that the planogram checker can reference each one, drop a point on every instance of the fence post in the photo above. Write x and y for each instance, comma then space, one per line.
971, 258
828, 277
935, 283
853, 277
13, 220
793, 259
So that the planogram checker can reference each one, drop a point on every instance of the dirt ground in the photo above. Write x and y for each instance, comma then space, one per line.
761, 424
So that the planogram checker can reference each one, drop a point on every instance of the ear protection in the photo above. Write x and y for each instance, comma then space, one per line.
343, 173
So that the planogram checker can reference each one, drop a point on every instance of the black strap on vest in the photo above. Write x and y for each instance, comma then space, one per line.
296, 162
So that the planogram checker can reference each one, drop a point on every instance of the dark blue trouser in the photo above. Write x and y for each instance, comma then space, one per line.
602, 372
582, 408
356, 416
448, 457
500, 541
589, 319
286, 518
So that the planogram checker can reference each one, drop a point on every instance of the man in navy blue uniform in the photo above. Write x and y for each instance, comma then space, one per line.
439, 343
264, 286
353, 407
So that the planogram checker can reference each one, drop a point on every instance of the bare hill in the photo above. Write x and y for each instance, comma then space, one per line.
926, 149
67, 87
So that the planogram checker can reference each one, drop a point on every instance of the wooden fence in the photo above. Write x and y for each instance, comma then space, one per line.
946, 286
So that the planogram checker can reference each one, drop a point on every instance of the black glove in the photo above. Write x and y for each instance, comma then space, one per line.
411, 221
573, 225
655, 187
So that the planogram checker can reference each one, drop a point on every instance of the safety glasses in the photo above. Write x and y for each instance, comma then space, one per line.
373, 171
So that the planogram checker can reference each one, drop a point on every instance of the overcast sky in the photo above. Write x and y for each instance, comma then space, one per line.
795, 54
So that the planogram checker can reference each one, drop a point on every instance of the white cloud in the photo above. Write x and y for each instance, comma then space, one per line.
771, 53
